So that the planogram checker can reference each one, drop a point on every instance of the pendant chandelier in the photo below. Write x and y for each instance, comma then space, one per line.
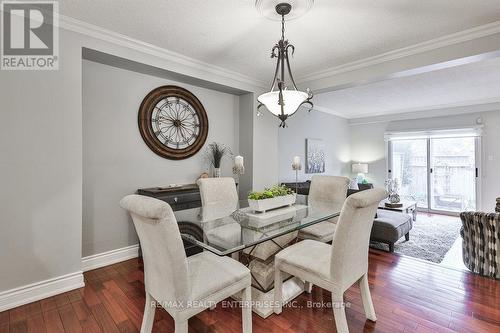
283, 99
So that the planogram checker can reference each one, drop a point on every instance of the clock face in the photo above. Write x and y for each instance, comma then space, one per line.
173, 122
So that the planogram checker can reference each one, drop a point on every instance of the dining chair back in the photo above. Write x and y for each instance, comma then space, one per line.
219, 197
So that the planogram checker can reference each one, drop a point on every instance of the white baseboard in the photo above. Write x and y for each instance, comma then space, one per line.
111, 257
36, 291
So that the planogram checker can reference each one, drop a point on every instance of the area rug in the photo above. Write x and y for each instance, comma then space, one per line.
431, 238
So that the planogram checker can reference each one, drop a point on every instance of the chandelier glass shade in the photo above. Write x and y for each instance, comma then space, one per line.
283, 99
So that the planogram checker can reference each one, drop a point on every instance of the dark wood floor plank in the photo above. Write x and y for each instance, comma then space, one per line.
103, 318
409, 296
48, 304
35, 323
52, 321
19, 327
18, 314
87, 320
33, 309
112, 306
127, 327
75, 295
69, 319
61, 300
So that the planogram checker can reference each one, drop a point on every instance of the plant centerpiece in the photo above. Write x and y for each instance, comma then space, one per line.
215, 153
271, 198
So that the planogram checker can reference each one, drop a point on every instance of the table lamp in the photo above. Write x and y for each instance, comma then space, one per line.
360, 169
296, 166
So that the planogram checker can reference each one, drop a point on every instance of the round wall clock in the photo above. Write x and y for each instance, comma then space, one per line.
173, 122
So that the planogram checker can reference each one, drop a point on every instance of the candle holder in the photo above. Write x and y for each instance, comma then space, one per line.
238, 170
296, 167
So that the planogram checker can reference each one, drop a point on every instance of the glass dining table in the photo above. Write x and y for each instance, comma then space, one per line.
254, 239
245, 229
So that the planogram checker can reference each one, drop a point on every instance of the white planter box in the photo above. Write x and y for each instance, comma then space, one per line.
272, 203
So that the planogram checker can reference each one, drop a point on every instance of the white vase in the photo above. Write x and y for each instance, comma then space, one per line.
216, 172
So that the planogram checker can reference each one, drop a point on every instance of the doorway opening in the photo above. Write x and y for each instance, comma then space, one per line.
439, 170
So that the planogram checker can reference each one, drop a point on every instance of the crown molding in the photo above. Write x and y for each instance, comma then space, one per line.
103, 34
452, 109
433, 44
329, 111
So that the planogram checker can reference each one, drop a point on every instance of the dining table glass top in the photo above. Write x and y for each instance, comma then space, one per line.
245, 228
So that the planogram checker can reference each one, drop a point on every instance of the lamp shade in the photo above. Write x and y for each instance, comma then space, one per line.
291, 99
360, 168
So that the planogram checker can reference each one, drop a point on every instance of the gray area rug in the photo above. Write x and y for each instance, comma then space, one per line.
430, 239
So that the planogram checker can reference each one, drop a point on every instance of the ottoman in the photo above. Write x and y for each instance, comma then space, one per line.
389, 226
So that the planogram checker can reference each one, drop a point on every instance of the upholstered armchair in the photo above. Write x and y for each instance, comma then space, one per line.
338, 266
481, 242
182, 286
325, 191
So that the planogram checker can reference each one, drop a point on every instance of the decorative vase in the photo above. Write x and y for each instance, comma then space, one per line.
393, 189
216, 172
394, 198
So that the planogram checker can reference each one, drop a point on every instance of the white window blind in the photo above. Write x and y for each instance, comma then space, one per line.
438, 133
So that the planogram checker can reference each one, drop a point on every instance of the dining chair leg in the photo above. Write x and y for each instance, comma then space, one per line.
366, 297
278, 291
149, 314
181, 326
246, 310
308, 287
339, 312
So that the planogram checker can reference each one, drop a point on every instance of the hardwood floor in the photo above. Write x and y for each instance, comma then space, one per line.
409, 296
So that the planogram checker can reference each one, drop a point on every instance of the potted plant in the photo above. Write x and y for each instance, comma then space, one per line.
271, 198
215, 153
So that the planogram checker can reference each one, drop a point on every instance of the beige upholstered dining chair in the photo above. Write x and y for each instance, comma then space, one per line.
219, 199
325, 191
182, 286
338, 266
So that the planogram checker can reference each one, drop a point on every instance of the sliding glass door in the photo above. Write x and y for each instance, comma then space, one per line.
439, 173
453, 174
409, 166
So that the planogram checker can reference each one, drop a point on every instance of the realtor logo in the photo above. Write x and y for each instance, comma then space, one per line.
30, 35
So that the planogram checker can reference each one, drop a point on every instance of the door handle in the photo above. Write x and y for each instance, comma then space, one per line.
431, 170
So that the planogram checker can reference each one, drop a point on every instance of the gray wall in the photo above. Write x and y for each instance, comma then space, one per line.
41, 171
247, 102
117, 162
368, 145
41, 146
316, 125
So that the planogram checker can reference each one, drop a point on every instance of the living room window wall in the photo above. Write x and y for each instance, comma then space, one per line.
439, 169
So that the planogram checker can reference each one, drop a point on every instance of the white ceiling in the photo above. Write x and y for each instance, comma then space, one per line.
472, 84
231, 34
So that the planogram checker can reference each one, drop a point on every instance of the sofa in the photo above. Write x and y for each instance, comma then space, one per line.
480, 233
